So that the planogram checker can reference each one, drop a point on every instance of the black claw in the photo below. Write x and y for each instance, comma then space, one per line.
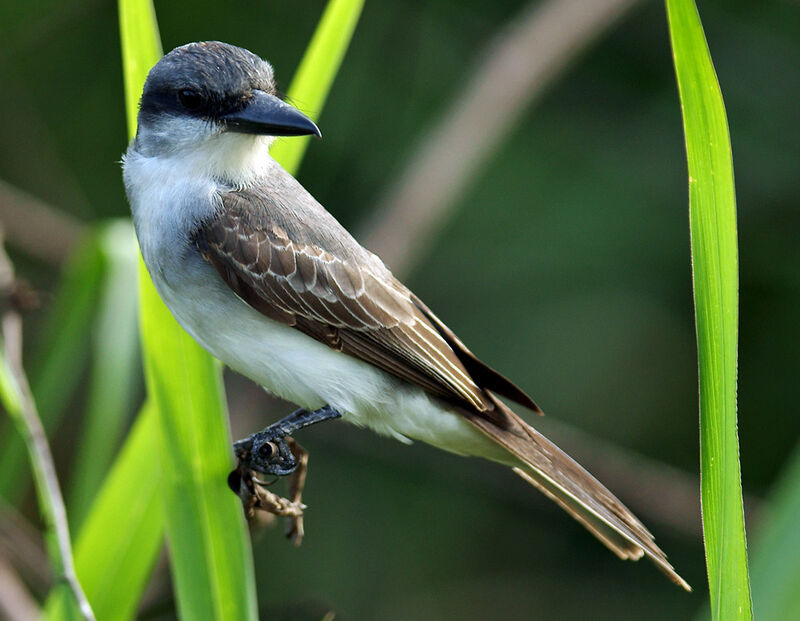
235, 481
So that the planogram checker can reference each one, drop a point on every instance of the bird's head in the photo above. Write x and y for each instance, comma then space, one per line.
214, 98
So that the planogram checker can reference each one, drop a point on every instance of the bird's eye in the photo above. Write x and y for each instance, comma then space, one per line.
191, 100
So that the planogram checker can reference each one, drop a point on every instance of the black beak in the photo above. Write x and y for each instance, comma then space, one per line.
267, 115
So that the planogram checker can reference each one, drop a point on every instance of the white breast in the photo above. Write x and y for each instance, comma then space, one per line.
167, 200
301, 370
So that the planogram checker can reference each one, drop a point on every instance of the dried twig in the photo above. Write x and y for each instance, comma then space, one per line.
40, 229
519, 64
16, 604
22, 545
19, 402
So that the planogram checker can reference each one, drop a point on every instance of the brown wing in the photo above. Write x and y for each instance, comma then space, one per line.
484, 375
354, 307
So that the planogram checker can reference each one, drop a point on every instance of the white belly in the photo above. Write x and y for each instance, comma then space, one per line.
167, 197
299, 369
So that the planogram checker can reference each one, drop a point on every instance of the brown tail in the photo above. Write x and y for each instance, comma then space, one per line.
563, 480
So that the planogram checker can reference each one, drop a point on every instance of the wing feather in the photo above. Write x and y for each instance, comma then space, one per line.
358, 309
356, 306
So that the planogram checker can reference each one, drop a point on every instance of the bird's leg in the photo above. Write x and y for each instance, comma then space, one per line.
272, 451
297, 482
268, 451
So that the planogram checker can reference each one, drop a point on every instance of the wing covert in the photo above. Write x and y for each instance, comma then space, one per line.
356, 308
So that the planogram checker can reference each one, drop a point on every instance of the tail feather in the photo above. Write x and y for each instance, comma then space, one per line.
618, 544
545, 466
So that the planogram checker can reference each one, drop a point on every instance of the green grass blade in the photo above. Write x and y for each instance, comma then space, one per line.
120, 540
58, 359
114, 375
776, 567
715, 271
314, 77
210, 552
211, 562
141, 49
209, 546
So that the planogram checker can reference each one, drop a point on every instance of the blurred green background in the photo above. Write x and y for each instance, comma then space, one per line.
564, 264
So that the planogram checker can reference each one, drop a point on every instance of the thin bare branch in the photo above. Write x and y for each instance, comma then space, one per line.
517, 67
23, 546
30, 427
16, 604
34, 226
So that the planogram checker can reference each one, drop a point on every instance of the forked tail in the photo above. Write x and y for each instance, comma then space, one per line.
563, 480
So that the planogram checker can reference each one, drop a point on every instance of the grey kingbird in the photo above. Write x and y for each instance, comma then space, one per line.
266, 280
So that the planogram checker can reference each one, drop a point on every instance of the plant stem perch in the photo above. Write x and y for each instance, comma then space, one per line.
18, 399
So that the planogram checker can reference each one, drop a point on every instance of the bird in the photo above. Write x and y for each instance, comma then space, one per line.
265, 279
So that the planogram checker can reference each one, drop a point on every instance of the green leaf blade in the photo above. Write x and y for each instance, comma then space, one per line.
141, 49
120, 540
314, 77
209, 546
715, 271
212, 561
114, 375
210, 553
776, 571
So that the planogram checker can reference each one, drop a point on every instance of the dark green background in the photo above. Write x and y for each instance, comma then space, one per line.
565, 265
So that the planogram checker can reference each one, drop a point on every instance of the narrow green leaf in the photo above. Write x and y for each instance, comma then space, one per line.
206, 540
141, 49
211, 558
58, 359
209, 546
715, 271
119, 542
114, 369
776, 566
313, 79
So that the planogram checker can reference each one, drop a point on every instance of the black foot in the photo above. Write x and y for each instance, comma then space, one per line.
268, 451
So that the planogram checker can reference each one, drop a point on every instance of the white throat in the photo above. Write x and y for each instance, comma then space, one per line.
236, 158
202, 149
174, 179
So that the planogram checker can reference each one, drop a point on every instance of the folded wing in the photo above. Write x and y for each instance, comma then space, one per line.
358, 307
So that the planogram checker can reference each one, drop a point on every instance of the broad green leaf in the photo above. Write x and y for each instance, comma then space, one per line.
712, 210
776, 569
209, 545
114, 375
119, 542
58, 359
314, 77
